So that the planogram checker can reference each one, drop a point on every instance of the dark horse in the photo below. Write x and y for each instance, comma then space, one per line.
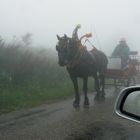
82, 63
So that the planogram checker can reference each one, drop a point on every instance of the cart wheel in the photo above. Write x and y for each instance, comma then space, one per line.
115, 84
138, 78
131, 81
118, 83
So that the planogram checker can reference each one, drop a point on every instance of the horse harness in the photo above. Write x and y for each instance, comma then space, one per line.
79, 54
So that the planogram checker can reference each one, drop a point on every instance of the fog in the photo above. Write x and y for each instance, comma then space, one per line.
108, 20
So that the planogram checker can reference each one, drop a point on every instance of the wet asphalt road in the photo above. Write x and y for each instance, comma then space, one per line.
60, 121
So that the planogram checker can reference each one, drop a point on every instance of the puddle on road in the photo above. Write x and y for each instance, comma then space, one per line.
102, 131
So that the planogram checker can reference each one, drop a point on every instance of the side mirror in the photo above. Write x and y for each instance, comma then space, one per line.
128, 104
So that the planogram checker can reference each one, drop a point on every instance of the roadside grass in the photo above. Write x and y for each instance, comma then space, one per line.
19, 97
15, 98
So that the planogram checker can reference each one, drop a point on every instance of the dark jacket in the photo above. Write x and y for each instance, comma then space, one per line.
122, 51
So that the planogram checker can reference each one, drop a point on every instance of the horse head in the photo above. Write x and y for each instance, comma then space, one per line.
66, 48
61, 48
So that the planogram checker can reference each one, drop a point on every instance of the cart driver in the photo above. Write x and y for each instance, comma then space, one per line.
122, 50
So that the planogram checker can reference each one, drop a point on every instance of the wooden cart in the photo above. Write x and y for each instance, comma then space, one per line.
123, 77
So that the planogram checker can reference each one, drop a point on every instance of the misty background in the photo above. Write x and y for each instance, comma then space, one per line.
29, 70
108, 20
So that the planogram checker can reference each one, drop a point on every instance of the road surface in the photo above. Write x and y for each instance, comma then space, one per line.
60, 121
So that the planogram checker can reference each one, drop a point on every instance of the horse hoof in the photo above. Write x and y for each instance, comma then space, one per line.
86, 105
76, 105
102, 98
96, 98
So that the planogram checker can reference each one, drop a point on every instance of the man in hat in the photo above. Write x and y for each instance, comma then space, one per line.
122, 50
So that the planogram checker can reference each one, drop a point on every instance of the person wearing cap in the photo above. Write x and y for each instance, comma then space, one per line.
122, 50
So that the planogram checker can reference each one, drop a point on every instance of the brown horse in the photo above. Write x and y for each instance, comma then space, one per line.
82, 63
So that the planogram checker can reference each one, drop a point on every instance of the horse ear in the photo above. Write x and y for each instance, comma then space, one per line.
58, 37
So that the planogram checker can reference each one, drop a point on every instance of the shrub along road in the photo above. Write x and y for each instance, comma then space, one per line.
60, 121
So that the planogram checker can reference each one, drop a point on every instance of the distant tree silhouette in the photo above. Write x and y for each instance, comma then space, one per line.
27, 39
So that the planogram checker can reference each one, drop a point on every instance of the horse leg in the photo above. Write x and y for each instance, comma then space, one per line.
85, 81
77, 97
102, 79
97, 87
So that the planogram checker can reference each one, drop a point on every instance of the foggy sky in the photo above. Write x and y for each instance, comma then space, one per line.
108, 20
